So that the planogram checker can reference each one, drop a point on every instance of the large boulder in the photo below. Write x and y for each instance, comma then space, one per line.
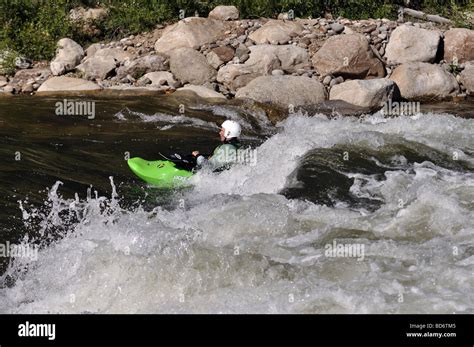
118, 54
366, 93
93, 48
68, 56
409, 44
423, 81
349, 56
103, 62
235, 76
201, 91
140, 66
284, 91
190, 32
467, 77
97, 67
276, 32
263, 60
224, 13
290, 58
63, 83
190, 66
459, 44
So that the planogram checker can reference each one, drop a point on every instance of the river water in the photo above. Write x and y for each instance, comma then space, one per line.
398, 192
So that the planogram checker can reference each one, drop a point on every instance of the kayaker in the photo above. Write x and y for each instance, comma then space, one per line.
226, 153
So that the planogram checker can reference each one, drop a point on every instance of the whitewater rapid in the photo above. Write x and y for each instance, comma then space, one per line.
233, 244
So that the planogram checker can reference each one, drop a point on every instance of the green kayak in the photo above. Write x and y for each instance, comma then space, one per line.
160, 173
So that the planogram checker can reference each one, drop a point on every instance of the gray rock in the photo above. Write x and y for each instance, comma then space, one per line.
243, 58
201, 91
63, 83
334, 82
135, 89
300, 71
276, 32
30, 76
214, 60
224, 13
241, 39
97, 67
349, 56
28, 88
327, 80
92, 49
162, 78
224, 53
119, 55
68, 56
422, 81
263, 60
190, 32
143, 81
411, 44
140, 66
284, 91
9, 89
459, 45
349, 31
289, 58
190, 66
337, 28
366, 93
241, 50
278, 72
467, 77
337, 107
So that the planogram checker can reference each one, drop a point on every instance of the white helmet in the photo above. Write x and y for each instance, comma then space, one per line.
231, 129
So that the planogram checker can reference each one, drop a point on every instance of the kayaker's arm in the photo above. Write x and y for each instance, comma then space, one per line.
201, 159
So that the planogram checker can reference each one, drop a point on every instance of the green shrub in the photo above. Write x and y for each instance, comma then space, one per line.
32, 27
7, 61
134, 16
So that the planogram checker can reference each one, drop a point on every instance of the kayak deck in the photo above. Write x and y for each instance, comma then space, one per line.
160, 173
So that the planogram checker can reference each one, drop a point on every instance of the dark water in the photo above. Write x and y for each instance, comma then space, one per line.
403, 186
40, 148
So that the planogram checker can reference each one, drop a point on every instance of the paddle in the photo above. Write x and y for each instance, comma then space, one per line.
186, 163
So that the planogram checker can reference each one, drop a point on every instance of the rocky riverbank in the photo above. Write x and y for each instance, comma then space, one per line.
287, 63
